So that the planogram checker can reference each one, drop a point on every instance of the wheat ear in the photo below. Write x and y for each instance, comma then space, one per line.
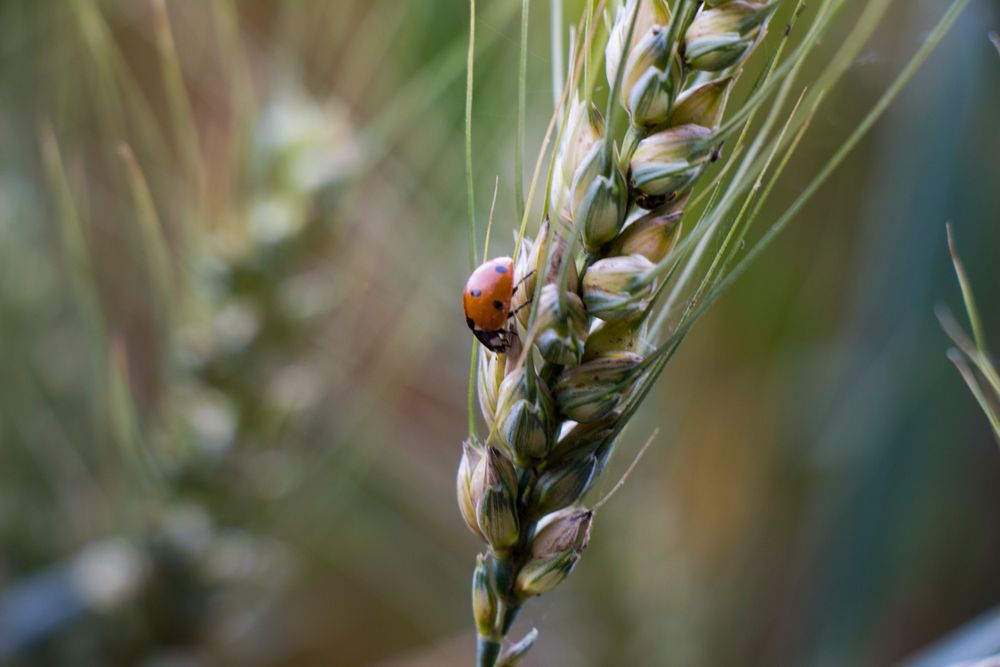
555, 415
601, 279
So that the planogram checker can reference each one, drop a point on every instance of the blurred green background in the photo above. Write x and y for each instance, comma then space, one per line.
234, 366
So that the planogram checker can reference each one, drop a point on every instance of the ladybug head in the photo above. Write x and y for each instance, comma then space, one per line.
494, 341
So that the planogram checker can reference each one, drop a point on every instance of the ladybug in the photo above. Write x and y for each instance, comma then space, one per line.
487, 297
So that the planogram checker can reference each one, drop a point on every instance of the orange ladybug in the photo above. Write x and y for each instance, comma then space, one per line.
487, 302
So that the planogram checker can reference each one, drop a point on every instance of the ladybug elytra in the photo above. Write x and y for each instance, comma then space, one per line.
486, 299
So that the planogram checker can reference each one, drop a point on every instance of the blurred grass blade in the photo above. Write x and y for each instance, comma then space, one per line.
425, 88
181, 111
522, 105
118, 95
122, 412
556, 46
471, 199
227, 27
73, 239
98, 40
154, 244
469, 84
980, 358
963, 282
990, 408
242, 101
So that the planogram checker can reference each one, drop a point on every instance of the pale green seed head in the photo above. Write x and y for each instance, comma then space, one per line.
652, 13
654, 236
600, 197
526, 422
717, 52
613, 337
592, 391
498, 471
541, 576
562, 331
540, 253
669, 161
581, 139
583, 440
484, 598
565, 530
526, 432
702, 105
497, 519
651, 80
720, 37
525, 273
467, 467
491, 374
494, 489
618, 288
563, 485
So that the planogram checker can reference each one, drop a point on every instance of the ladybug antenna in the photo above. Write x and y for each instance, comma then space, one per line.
489, 221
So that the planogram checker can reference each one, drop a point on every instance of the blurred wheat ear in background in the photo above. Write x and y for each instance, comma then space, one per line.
208, 315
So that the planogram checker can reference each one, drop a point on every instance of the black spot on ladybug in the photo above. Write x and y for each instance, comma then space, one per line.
500, 269
475, 292
468, 320
498, 305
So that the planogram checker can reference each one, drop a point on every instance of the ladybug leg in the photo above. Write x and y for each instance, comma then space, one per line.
508, 336
519, 309
521, 281
526, 303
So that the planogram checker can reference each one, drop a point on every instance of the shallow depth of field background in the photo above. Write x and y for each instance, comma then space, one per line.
234, 442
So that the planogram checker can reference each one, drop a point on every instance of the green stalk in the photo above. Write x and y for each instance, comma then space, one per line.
487, 652
473, 431
556, 44
469, 188
522, 104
